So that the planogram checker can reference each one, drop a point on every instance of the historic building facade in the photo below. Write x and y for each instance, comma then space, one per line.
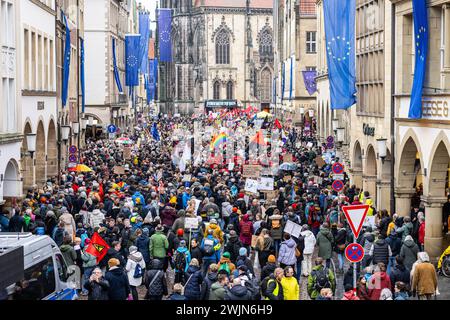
10, 102
222, 56
295, 47
423, 146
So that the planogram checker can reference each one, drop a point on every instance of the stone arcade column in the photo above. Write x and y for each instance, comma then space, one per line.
383, 195
446, 73
356, 177
403, 201
433, 225
370, 184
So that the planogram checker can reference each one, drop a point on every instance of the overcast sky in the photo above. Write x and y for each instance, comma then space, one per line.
150, 5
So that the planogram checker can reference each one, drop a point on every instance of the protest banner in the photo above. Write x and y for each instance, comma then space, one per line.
251, 171
266, 183
119, 170
127, 153
190, 223
251, 186
293, 228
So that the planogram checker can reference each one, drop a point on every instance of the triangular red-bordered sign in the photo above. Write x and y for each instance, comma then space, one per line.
356, 215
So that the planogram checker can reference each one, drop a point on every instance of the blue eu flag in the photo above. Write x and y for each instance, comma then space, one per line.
66, 66
155, 132
165, 30
339, 18
144, 30
132, 60
421, 44
116, 70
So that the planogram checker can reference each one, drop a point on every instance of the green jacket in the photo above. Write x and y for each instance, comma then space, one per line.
325, 241
158, 245
89, 260
313, 293
217, 292
69, 254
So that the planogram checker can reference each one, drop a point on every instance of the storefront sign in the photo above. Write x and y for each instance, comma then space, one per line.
220, 103
435, 108
40, 105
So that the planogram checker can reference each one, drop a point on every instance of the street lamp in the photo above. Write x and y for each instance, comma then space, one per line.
340, 134
76, 127
31, 143
65, 132
335, 124
382, 148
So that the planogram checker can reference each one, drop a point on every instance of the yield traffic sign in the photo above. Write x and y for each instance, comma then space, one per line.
355, 216
354, 252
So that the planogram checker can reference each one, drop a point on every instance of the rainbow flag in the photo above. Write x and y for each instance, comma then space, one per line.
221, 138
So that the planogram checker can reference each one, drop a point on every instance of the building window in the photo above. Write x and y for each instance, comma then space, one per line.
216, 93
311, 42
266, 85
51, 87
230, 90
310, 68
33, 60
26, 67
223, 47
266, 44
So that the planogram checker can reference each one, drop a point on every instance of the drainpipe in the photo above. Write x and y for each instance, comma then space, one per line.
392, 202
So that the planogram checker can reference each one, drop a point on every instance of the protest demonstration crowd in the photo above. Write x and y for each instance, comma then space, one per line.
148, 225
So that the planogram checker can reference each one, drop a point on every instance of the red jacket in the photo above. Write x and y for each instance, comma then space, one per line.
422, 233
246, 225
168, 216
377, 282
350, 295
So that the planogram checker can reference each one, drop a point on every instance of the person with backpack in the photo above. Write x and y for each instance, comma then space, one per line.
271, 287
246, 231
378, 281
380, 251
269, 267
155, 281
395, 243
400, 273
192, 286
225, 264
211, 277
237, 292
181, 260
286, 255
216, 231
409, 252
325, 241
159, 245
276, 228
210, 247
135, 269
142, 243
321, 277
406, 229
218, 288
233, 245
367, 240
243, 259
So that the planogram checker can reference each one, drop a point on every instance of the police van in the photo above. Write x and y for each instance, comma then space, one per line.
45, 274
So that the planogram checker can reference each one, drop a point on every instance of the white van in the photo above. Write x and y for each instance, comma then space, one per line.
42, 258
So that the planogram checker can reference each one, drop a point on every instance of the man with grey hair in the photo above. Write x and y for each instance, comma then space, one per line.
424, 278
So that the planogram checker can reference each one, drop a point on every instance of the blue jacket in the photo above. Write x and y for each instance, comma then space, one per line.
142, 243
216, 256
138, 195
184, 250
194, 279
186, 197
4, 223
119, 288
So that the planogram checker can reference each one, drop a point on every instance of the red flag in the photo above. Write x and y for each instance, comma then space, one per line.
277, 124
259, 138
98, 247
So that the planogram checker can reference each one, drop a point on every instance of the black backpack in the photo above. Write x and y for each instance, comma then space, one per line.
264, 283
180, 261
321, 279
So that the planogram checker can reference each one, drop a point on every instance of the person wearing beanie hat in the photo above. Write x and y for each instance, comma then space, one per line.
159, 244
135, 269
269, 268
216, 230
242, 258
225, 264
181, 260
233, 245
119, 288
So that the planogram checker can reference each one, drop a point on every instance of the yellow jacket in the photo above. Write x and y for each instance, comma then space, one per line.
291, 290
217, 232
391, 227
370, 211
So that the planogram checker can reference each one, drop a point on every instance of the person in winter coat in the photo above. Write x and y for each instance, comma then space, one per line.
95, 218
69, 222
177, 293
97, 286
325, 242
233, 245
181, 260
237, 292
399, 272
155, 281
68, 252
367, 240
246, 231
196, 252
168, 215
361, 289
380, 251
349, 293
17, 222
314, 287
142, 243
276, 228
159, 245
135, 269
179, 222
421, 235
424, 278
378, 281
341, 240
400, 291
386, 294
406, 229
217, 232
89, 263
264, 247
218, 288
245, 260
409, 252
194, 279
274, 286
210, 247
119, 288
291, 290
227, 209
310, 243
395, 243
211, 277
286, 255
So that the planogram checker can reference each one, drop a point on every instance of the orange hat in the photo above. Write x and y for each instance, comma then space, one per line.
271, 259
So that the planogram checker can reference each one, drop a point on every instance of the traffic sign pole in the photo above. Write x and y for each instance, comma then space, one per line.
354, 269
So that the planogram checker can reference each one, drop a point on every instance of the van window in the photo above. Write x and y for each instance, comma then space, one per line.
62, 268
38, 282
